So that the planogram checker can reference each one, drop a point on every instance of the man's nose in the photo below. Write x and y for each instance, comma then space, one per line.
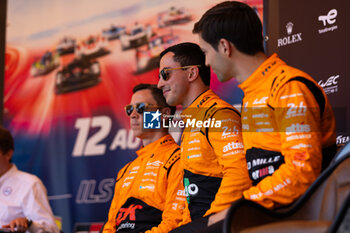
160, 83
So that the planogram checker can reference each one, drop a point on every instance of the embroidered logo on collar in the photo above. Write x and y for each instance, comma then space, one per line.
203, 100
7, 191
165, 141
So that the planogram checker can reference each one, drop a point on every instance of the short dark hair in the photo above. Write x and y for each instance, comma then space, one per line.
234, 21
156, 93
188, 54
6, 140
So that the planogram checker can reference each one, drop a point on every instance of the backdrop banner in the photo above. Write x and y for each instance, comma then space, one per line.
70, 66
313, 36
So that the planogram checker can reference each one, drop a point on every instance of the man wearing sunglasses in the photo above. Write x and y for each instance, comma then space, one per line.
215, 171
288, 123
149, 194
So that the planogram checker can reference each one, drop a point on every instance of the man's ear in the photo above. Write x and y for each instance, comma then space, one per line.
9, 154
193, 74
225, 47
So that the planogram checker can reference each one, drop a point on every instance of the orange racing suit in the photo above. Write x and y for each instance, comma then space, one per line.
149, 194
288, 132
215, 170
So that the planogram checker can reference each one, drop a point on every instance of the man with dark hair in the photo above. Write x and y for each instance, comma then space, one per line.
24, 206
288, 123
190, 60
157, 95
215, 172
149, 195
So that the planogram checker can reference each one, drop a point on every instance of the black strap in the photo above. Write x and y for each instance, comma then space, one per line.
315, 90
206, 133
328, 154
206, 112
172, 161
126, 168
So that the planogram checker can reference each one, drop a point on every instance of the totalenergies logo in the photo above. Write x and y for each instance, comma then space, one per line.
328, 21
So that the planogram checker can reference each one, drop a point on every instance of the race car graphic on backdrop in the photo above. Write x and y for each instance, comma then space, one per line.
80, 73
92, 47
137, 36
65, 46
47, 63
147, 56
114, 32
71, 116
173, 16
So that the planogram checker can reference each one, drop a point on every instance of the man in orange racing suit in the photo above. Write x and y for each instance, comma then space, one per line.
215, 171
288, 124
149, 194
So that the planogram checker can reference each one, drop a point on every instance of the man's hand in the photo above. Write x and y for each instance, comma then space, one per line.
217, 217
17, 225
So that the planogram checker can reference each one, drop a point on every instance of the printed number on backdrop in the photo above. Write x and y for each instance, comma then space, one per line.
92, 131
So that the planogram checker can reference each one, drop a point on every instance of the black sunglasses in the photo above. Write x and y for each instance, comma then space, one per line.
140, 108
164, 74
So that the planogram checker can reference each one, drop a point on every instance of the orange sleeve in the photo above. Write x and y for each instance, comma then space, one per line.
175, 200
228, 146
297, 117
109, 227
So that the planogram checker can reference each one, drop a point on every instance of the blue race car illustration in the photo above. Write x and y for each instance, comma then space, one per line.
137, 36
47, 63
173, 16
114, 32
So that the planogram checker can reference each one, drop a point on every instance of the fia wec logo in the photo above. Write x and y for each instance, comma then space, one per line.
330, 81
331, 85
